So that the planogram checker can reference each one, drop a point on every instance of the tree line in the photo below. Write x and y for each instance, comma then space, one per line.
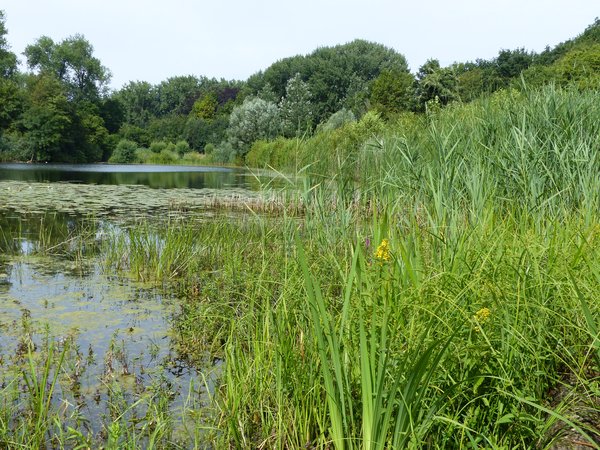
61, 109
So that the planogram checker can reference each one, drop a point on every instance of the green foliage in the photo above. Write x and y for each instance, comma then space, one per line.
11, 104
8, 60
280, 152
168, 128
255, 119
590, 36
72, 62
112, 113
139, 102
392, 92
510, 63
199, 132
93, 136
205, 107
337, 120
369, 126
435, 82
471, 82
125, 152
143, 155
193, 158
288, 99
157, 146
268, 94
46, 121
580, 66
321, 151
295, 108
336, 76
209, 149
135, 133
182, 147
166, 156
176, 95
224, 153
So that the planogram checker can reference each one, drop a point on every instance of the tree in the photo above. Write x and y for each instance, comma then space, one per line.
11, 103
337, 120
89, 136
199, 132
168, 128
46, 121
580, 66
435, 83
296, 108
255, 119
205, 107
392, 92
113, 114
470, 81
140, 102
177, 95
510, 63
268, 94
8, 60
72, 62
336, 76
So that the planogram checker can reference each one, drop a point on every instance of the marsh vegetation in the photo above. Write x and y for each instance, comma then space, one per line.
438, 288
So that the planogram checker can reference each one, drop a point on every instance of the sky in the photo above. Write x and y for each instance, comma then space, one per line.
148, 40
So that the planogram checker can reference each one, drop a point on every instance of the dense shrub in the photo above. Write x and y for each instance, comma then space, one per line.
158, 146
182, 147
124, 152
338, 120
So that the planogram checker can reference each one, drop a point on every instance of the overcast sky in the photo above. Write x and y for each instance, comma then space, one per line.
153, 40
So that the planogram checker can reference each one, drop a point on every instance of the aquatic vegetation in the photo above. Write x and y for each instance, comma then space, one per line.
130, 202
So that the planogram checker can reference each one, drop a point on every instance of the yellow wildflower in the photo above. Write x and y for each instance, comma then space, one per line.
481, 317
383, 251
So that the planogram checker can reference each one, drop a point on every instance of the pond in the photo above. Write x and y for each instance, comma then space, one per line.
54, 289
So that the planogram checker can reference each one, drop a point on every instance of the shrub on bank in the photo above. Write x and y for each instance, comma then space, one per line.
124, 153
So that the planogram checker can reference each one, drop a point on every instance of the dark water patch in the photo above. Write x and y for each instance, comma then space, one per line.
152, 176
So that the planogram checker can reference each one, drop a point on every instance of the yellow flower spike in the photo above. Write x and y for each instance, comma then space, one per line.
481, 317
383, 251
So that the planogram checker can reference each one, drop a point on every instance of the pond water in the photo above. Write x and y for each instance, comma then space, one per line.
153, 176
119, 331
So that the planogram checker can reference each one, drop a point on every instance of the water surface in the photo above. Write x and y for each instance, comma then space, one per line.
153, 176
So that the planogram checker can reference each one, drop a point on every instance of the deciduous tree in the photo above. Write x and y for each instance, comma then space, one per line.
296, 108
253, 120
72, 62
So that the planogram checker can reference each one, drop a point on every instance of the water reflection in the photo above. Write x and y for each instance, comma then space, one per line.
53, 232
154, 176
